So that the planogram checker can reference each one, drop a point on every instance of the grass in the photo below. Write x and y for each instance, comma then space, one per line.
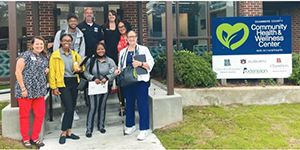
4, 87
234, 127
7, 143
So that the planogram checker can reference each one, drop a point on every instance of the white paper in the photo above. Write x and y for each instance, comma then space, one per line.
97, 88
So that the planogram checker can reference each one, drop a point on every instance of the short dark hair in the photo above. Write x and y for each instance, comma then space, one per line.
72, 16
63, 35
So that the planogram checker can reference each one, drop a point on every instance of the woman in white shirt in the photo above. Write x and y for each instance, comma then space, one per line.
138, 90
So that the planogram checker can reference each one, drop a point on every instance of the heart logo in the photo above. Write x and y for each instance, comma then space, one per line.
232, 36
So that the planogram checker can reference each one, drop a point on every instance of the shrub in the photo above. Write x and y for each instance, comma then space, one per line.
295, 76
189, 69
160, 67
208, 57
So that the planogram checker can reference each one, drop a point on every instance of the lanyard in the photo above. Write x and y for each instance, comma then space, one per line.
136, 50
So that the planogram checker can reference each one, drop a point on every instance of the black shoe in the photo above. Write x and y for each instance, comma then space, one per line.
62, 139
102, 130
73, 136
88, 134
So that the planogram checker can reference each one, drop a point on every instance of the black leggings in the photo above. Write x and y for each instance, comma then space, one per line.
68, 97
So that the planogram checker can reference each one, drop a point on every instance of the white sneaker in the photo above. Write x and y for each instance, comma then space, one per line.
142, 135
62, 117
76, 117
130, 130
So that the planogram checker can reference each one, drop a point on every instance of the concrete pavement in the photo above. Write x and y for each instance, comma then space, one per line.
112, 139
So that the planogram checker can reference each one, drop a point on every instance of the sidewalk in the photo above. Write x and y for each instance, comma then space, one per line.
112, 139
4, 97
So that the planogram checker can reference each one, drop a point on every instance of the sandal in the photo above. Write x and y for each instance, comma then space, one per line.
26, 144
37, 143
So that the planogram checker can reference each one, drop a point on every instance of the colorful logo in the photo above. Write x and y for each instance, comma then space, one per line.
243, 61
232, 36
254, 71
227, 62
278, 60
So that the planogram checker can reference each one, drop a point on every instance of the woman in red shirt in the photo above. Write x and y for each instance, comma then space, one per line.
124, 27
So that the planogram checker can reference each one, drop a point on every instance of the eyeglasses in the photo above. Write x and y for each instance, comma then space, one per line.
121, 27
65, 41
131, 37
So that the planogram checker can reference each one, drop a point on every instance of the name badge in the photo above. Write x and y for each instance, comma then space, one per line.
33, 58
95, 29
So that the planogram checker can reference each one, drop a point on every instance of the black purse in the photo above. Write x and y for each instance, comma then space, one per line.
82, 84
128, 75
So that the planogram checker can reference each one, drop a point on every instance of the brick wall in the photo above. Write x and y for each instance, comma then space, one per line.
45, 16
130, 15
250, 8
295, 16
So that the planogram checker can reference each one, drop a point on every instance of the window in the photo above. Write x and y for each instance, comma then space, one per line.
156, 19
192, 19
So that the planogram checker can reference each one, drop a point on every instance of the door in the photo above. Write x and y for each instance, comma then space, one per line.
99, 10
63, 9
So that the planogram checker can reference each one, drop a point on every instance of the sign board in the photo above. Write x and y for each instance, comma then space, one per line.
63, 24
252, 47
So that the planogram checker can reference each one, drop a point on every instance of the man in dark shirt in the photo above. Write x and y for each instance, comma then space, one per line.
92, 32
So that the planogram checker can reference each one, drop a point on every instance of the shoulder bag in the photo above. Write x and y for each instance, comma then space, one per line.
128, 75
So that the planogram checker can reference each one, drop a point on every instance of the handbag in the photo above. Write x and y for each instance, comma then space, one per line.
128, 76
82, 84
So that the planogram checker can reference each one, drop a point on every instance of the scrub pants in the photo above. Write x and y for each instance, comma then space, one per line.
138, 91
68, 97
38, 107
97, 103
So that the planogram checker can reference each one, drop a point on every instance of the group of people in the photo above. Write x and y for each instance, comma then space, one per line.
106, 51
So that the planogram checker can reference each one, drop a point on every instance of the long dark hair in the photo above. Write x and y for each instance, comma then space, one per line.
106, 24
126, 25
44, 52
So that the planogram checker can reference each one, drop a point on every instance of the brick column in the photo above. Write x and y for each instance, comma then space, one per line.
250, 8
130, 15
295, 17
45, 16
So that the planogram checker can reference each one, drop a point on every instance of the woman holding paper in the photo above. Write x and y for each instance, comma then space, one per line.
138, 90
99, 69
64, 82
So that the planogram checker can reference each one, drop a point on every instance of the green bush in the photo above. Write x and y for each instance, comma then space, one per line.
208, 57
295, 76
189, 69
160, 67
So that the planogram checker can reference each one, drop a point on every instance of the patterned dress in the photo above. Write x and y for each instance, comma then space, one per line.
34, 76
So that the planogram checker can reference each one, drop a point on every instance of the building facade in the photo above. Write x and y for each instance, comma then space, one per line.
191, 21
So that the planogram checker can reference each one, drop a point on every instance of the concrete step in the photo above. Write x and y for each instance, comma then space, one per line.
112, 115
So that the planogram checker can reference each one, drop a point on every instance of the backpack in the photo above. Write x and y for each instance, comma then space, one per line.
63, 31
92, 63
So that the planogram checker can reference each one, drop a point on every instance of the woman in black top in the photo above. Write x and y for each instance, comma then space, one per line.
111, 36
111, 40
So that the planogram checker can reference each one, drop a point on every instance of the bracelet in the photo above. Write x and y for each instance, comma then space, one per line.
24, 90
142, 64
